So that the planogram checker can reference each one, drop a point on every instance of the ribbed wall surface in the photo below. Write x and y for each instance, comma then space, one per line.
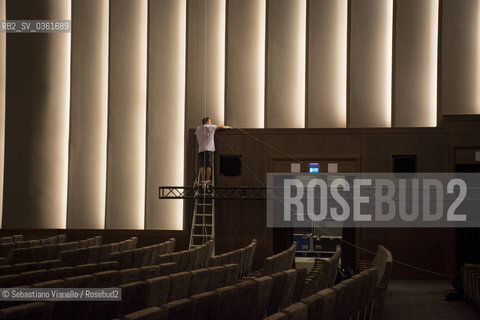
285, 77
37, 119
166, 110
88, 115
416, 47
125, 203
327, 64
370, 64
245, 63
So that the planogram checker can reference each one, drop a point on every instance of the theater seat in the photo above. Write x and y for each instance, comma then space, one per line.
277, 316
179, 310
151, 313
29, 311
158, 290
297, 311
205, 305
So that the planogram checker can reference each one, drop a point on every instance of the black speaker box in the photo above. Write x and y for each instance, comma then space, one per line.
230, 165
404, 163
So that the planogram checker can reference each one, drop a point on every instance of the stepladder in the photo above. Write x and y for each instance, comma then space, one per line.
203, 220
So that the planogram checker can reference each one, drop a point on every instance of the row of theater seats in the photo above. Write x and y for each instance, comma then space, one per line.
195, 258
18, 242
471, 283
83, 254
35, 251
138, 257
70, 271
323, 274
260, 295
8, 244
278, 262
52, 272
248, 299
243, 257
166, 292
350, 299
5, 240
141, 288
73, 253
29, 259
360, 297
286, 287
10, 239
383, 261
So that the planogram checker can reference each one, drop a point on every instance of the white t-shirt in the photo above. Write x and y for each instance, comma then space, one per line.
205, 134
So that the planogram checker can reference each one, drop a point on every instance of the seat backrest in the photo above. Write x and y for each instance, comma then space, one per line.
133, 297
229, 302
137, 260
216, 278
170, 245
265, 285
148, 313
168, 268
158, 291
204, 305
84, 281
148, 272
199, 281
180, 285
297, 311
34, 310
147, 256
107, 279
130, 275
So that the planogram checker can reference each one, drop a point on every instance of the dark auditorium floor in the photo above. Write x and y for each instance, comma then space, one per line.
422, 300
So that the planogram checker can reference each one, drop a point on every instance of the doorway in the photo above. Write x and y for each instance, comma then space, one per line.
317, 242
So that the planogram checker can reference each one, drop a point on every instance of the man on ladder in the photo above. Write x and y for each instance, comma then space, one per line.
206, 146
203, 221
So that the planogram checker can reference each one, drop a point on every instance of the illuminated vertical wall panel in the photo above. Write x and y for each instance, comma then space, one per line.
205, 94
127, 115
2, 102
327, 64
245, 63
460, 57
370, 67
285, 76
166, 110
89, 110
37, 119
416, 47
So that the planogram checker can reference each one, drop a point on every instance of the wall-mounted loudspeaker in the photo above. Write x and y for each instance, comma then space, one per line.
404, 163
230, 165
